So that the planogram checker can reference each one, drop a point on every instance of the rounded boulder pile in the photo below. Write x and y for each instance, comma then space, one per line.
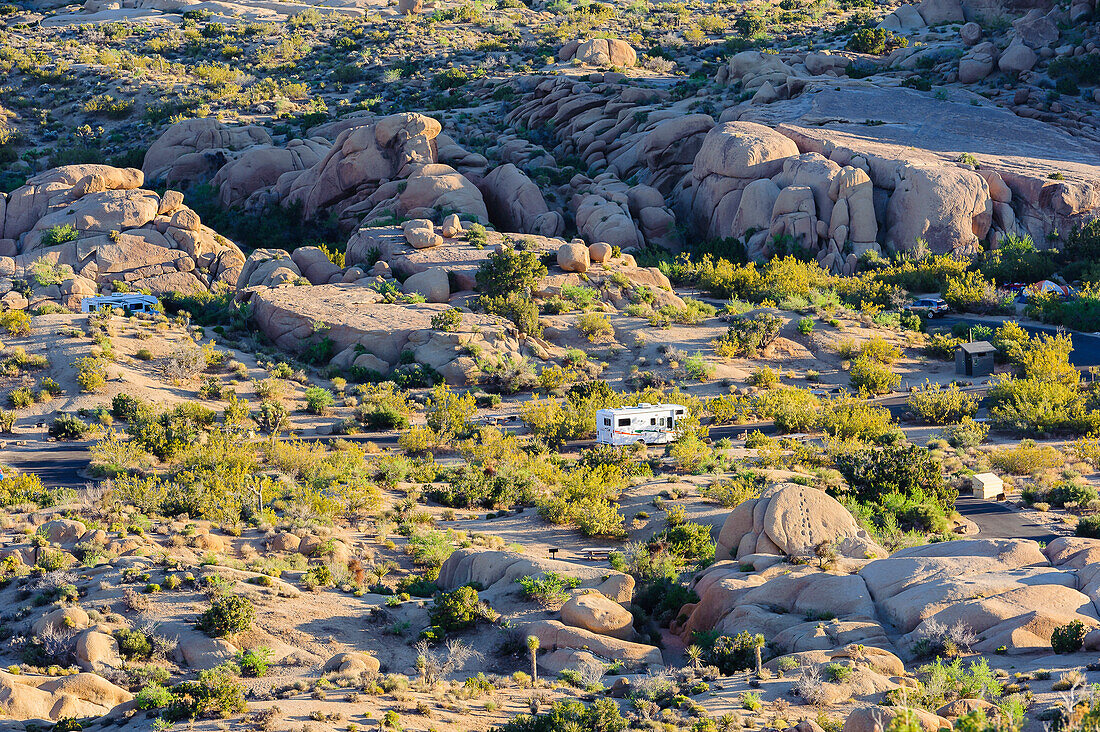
793, 520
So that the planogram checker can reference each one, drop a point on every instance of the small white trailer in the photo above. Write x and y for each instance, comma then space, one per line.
131, 302
651, 424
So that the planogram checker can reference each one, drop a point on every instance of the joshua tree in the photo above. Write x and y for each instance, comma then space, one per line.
757, 647
533, 647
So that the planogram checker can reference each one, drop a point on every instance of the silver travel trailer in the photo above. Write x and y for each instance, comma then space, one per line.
652, 424
131, 302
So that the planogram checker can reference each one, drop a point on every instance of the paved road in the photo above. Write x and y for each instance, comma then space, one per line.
997, 520
58, 464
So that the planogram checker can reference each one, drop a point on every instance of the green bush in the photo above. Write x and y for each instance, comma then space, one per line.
730, 655
67, 427
937, 404
1089, 526
806, 326
20, 398
232, 614
91, 373
551, 589
748, 336
457, 610
515, 307
967, 433
688, 540
15, 322
57, 235
133, 644
1068, 638
594, 326
130, 408
869, 376
153, 696
602, 716
216, 691
792, 409
875, 41
254, 661
509, 272
318, 400
448, 321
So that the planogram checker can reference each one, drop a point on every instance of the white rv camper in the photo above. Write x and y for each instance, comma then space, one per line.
131, 302
652, 424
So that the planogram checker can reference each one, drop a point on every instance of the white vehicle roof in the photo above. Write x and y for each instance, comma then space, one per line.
643, 408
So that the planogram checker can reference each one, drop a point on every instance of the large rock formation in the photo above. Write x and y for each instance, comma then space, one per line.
793, 520
359, 323
515, 203
1004, 590
96, 224
194, 149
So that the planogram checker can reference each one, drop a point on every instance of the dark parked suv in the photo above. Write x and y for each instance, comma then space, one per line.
929, 307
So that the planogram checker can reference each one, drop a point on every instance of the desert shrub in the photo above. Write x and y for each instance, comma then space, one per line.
728, 408
254, 661
449, 320
1068, 638
458, 609
792, 409
729, 654
20, 397
15, 322
602, 716
1026, 457
688, 540
57, 235
1089, 526
938, 404
747, 336
448, 413
153, 696
1070, 491
855, 419
908, 470
968, 432
226, 615
318, 400
594, 326
133, 644
878, 350
972, 293
272, 417
67, 427
130, 408
731, 492
550, 590
16, 488
871, 377
765, 377
875, 41
1016, 259
515, 307
508, 272
216, 690
383, 407
317, 576
91, 373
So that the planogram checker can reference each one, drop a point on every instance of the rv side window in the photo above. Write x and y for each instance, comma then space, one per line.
624, 422
653, 420
679, 412
607, 421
